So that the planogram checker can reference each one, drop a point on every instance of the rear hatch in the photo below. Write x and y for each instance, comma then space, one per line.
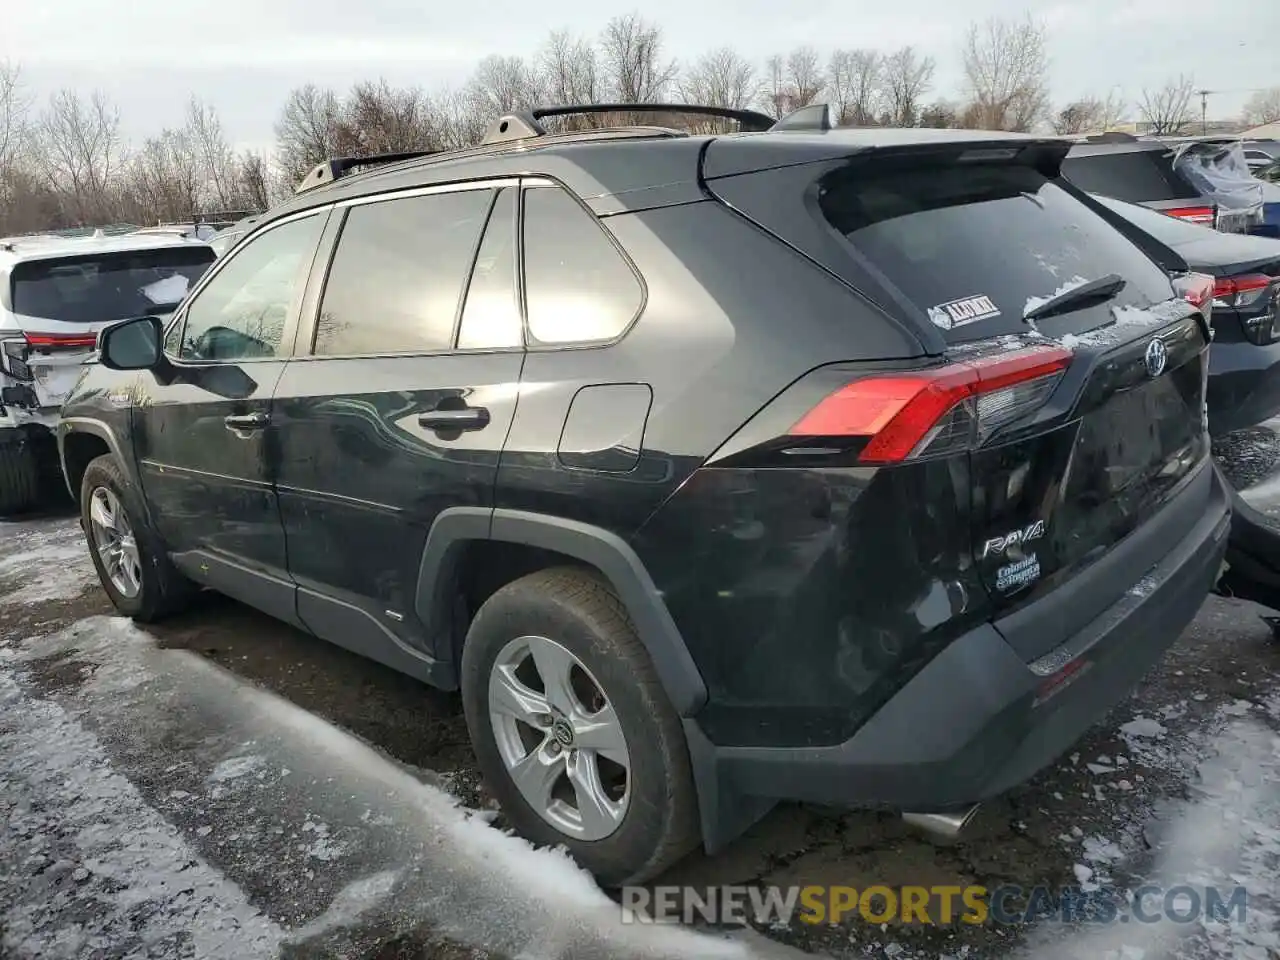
56, 306
1139, 175
1071, 377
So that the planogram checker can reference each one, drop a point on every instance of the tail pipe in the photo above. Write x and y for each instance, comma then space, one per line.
945, 825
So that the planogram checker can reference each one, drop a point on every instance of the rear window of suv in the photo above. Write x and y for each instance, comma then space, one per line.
105, 287
1139, 176
973, 246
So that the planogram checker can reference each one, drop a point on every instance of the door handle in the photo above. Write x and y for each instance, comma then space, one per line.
246, 421
468, 418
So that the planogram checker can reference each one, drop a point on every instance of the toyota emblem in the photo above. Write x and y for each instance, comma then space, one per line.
1157, 356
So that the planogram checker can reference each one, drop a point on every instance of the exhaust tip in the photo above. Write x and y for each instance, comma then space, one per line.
945, 825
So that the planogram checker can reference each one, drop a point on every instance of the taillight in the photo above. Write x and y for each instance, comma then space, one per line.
13, 359
61, 340
1202, 215
1198, 290
945, 410
1252, 295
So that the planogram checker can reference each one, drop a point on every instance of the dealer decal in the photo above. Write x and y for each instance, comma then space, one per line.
959, 313
1016, 575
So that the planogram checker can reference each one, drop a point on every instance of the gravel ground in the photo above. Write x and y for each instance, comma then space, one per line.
224, 786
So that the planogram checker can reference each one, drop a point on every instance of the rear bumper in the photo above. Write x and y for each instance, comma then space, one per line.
979, 719
1244, 385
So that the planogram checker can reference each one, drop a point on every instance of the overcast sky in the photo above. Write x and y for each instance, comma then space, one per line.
243, 56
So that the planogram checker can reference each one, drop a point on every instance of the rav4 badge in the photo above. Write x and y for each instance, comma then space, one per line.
998, 545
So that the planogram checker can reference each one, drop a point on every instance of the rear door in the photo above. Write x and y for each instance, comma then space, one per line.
60, 305
399, 403
974, 249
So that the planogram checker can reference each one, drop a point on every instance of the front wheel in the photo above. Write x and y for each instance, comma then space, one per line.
134, 570
572, 729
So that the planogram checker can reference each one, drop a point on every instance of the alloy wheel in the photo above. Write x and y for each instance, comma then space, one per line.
559, 738
115, 542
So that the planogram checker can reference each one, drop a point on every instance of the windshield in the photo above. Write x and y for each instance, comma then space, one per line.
105, 287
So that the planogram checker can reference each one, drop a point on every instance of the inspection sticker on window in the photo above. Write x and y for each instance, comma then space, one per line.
1015, 575
959, 313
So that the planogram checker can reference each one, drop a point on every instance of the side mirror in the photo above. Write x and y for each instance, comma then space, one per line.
131, 344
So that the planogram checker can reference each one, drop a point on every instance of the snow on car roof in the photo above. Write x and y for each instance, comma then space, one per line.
51, 247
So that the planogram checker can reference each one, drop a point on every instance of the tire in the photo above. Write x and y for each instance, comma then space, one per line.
162, 589
19, 477
579, 612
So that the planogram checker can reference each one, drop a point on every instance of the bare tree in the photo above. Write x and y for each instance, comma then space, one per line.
165, 178
792, 81
570, 73
15, 116
1079, 116
306, 130
1262, 107
254, 177
80, 152
721, 78
503, 84
1114, 108
805, 79
853, 83
1167, 110
458, 118
1006, 68
907, 78
941, 114
633, 63
773, 88
216, 159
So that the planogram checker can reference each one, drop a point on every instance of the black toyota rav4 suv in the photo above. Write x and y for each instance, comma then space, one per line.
864, 467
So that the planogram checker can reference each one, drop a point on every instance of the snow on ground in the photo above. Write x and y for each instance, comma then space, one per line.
157, 745
43, 562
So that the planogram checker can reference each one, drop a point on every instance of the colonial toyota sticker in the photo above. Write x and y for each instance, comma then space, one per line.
959, 313
1019, 574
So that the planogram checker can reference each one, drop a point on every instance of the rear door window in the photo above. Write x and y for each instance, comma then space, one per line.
398, 274
1139, 176
974, 247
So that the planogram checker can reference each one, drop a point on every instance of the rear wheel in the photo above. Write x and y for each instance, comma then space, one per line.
572, 729
132, 565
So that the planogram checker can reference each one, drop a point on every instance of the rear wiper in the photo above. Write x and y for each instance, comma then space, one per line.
1104, 288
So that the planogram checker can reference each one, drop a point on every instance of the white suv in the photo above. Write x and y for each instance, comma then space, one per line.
56, 293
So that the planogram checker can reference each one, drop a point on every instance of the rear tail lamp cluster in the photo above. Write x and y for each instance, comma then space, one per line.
946, 410
1253, 296
15, 352
1198, 290
1201, 215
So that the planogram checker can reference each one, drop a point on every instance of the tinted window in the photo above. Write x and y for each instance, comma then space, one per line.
107, 287
242, 311
1139, 176
491, 315
398, 274
985, 238
578, 288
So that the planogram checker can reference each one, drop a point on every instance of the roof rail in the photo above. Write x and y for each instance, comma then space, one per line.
816, 116
336, 168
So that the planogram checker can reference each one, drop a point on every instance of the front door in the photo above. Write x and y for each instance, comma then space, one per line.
205, 440
401, 410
